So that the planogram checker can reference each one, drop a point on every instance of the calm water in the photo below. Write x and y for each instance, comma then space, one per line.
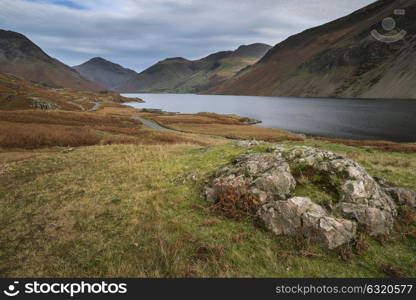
393, 120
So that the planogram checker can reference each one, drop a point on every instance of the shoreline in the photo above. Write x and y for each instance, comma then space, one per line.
300, 134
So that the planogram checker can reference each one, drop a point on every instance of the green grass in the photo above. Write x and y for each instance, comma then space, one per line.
314, 192
136, 211
398, 168
321, 187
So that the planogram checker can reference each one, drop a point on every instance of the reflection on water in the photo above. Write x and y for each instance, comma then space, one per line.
342, 118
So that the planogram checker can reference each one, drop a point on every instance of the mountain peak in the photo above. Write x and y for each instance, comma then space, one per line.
254, 45
174, 59
177, 74
98, 59
340, 59
20, 56
104, 72
14, 45
257, 50
10, 34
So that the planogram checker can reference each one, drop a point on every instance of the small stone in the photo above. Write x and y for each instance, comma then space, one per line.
402, 196
210, 195
68, 150
247, 144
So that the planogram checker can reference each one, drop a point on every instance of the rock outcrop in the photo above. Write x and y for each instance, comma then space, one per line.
44, 104
361, 201
300, 215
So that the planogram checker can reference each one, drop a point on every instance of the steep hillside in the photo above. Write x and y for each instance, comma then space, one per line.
340, 59
104, 72
17, 93
20, 56
179, 75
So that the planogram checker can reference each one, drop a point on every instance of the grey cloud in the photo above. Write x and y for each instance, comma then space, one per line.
138, 33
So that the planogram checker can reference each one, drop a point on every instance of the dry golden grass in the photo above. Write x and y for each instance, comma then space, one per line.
115, 109
221, 125
17, 94
17, 135
65, 118
7, 156
384, 146
31, 129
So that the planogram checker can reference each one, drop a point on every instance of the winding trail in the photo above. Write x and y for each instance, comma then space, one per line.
152, 124
96, 106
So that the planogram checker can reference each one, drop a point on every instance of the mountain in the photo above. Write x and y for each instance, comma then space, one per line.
179, 75
104, 72
340, 59
20, 56
17, 93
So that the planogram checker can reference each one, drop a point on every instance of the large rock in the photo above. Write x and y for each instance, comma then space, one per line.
267, 176
301, 216
362, 200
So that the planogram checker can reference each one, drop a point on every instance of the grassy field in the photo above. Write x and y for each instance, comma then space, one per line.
136, 211
97, 194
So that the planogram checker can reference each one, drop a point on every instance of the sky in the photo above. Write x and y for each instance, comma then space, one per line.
139, 33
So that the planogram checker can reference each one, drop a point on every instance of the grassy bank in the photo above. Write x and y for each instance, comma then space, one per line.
128, 210
32, 129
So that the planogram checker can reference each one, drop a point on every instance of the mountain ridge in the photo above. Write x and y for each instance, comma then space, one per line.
104, 72
21, 57
180, 75
339, 59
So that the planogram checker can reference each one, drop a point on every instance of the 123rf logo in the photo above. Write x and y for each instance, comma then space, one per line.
70, 289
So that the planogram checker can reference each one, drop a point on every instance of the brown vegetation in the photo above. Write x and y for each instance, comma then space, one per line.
221, 125
32, 129
384, 146
17, 94
235, 203
35, 116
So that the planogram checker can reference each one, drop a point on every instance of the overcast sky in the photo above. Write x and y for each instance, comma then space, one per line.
138, 33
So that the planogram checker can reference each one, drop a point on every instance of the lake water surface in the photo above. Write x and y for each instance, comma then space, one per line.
393, 120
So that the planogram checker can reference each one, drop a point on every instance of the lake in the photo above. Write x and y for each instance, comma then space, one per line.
392, 120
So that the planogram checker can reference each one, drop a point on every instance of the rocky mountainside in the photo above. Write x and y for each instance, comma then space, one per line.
20, 56
367, 54
104, 72
179, 75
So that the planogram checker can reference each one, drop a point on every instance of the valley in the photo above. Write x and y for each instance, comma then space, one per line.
292, 161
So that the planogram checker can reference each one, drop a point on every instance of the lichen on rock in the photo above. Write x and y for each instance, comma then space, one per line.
269, 181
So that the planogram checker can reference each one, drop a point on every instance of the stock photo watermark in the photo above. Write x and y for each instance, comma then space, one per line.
70, 289
392, 34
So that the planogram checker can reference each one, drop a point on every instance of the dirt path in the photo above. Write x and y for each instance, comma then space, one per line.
152, 124
95, 107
